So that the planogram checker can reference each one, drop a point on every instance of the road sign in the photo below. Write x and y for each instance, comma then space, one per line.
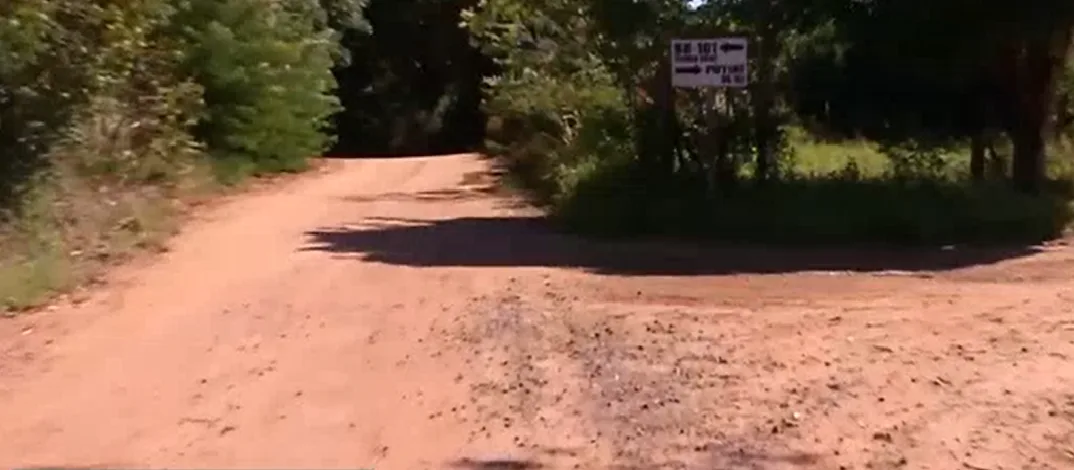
717, 62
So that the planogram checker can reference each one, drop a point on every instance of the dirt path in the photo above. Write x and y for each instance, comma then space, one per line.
392, 314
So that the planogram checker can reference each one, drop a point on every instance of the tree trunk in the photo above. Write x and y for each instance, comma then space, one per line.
725, 166
1027, 171
763, 134
657, 126
977, 156
985, 122
1027, 135
1063, 115
764, 100
1037, 75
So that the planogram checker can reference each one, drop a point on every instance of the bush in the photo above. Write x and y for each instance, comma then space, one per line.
613, 200
550, 130
95, 119
107, 108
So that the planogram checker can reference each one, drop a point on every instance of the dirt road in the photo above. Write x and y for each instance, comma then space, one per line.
393, 314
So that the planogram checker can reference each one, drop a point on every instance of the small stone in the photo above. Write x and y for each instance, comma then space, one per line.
882, 436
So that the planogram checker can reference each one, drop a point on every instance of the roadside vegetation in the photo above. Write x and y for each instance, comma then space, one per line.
856, 129
116, 115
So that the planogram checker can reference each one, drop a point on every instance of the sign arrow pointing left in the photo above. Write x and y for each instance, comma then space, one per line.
731, 46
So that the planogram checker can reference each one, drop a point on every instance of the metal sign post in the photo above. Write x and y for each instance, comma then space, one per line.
715, 63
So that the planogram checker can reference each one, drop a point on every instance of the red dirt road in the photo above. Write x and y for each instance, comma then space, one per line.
394, 314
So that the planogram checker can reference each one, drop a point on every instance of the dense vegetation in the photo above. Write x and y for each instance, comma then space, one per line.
875, 120
584, 108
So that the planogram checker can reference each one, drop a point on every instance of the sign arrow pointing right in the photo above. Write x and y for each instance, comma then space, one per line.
693, 70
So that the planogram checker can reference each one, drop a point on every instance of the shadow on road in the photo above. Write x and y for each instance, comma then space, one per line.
715, 456
495, 464
390, 155
723, 456
530, 242
474, 186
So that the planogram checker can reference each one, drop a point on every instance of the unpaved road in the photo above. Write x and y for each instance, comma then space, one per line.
392, 314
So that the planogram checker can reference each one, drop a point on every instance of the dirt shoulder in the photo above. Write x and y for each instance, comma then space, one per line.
392, 313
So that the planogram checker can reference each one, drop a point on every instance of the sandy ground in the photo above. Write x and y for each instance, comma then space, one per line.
394, 314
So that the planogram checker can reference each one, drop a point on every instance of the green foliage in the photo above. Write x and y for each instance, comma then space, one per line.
341, 16
266, 72
94, 86
44, 74
556, 104
913, 160
125, 80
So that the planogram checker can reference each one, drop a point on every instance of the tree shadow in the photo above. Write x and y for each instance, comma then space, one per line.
101, 466
714, 456
539, 457
495, 464
723, 456
531, 242
431, 196
475, 186
390, 155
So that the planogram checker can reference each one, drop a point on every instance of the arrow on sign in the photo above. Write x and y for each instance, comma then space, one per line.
694, 70
731, 46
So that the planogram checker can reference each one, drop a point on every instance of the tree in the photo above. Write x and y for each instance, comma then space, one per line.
414, 84
1001, 72
266, 71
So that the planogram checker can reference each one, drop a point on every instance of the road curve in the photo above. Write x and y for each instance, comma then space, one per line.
394, 313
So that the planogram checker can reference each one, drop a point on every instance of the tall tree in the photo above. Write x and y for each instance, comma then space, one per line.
413, 84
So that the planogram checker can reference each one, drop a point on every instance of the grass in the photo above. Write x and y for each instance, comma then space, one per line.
73, 227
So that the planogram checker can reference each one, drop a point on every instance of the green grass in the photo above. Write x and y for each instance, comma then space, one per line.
24, 279
821, 158
813, 157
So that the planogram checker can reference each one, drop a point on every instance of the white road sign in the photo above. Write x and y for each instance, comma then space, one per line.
717, 62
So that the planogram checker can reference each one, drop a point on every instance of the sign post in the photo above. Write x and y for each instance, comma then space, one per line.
720, 63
